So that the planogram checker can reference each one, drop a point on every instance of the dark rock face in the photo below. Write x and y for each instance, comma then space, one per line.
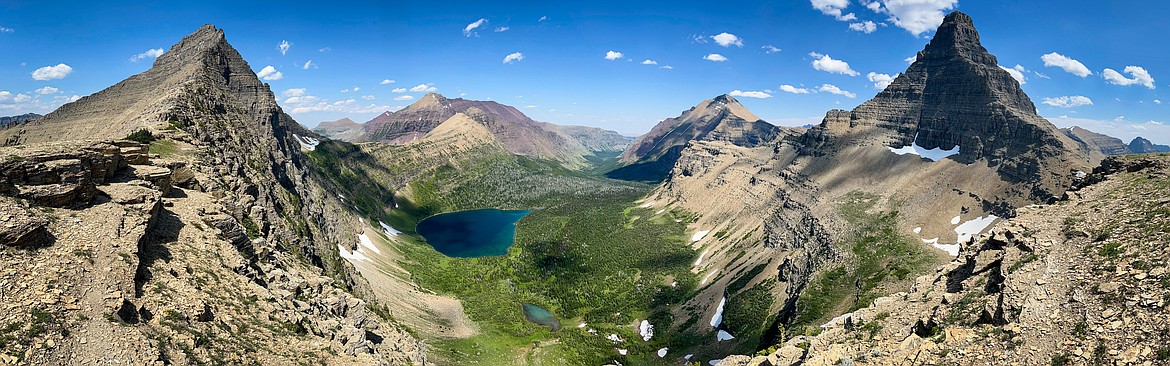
66, 175
955, 94
1142, 146
21, 227
18, 119
722, 118
1093, 141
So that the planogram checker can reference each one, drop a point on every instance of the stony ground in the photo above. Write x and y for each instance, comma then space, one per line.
1080, 282
122, 273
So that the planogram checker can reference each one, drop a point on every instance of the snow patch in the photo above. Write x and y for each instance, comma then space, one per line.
718, 317
674, 284
614, 338
723, 336
591, 331
699, 235
646, 330
714, 362
662, 352
972, 227
708, 277
389, 230
582, 325
366, 242
622, 351
934, 154
701, 255
918, 230
952, 249
688, 357
660, 211
307, 143
352, 257
955, 220
647, 204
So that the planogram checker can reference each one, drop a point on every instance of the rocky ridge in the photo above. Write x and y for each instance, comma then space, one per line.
343, 129
1142, 146
18, 119
248, 194
1081, 281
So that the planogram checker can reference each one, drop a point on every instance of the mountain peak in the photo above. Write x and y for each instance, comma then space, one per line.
957, 38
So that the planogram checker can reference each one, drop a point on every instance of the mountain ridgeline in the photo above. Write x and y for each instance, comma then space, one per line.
568, 145
181, 217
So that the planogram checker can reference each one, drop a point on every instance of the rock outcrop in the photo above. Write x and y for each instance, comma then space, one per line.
1082, 281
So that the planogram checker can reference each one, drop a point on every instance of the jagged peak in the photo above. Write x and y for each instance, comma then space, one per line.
726, 101
957, 37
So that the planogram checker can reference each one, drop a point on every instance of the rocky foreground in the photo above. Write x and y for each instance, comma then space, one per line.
1081, 281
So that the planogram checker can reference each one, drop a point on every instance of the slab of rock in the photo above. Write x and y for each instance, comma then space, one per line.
19, 227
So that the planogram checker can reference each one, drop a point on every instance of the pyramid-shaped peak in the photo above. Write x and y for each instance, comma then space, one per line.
957, 38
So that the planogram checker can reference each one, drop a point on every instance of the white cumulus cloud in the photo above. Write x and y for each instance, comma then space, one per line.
269, 73
915, 16
649, 62
424, 88
749, 94
386, 81
47, 90
833, 89
1067, 64
880, 81
404, 97
513, 57
715, 57
6, 30
52, 72
770, 49
398, 90
828, 64
613, 55
834, 8
309, 65
502, 29
727, 39
1068, 101
369, 97
866, 27
1017, 73
470, 28
1138, 76
666, 67
294, 92
792, 89
151, 53
283, 47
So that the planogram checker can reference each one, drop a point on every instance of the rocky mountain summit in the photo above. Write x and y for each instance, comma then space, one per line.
1096, 142
722, 118
218, 242
1142, 146
1080, 281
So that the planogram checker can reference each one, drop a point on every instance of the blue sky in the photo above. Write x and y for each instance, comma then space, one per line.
560, 71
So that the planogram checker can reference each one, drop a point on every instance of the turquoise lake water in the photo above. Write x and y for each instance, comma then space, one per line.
542, 316
474, 233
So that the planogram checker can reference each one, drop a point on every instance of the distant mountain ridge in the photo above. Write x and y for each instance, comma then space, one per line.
343, 129
17, 119
519, 133
1140, 145
1112, 146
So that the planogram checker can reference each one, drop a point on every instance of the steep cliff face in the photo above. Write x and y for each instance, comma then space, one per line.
18, 119
955, 95
247, 189
520, 134
596, 140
